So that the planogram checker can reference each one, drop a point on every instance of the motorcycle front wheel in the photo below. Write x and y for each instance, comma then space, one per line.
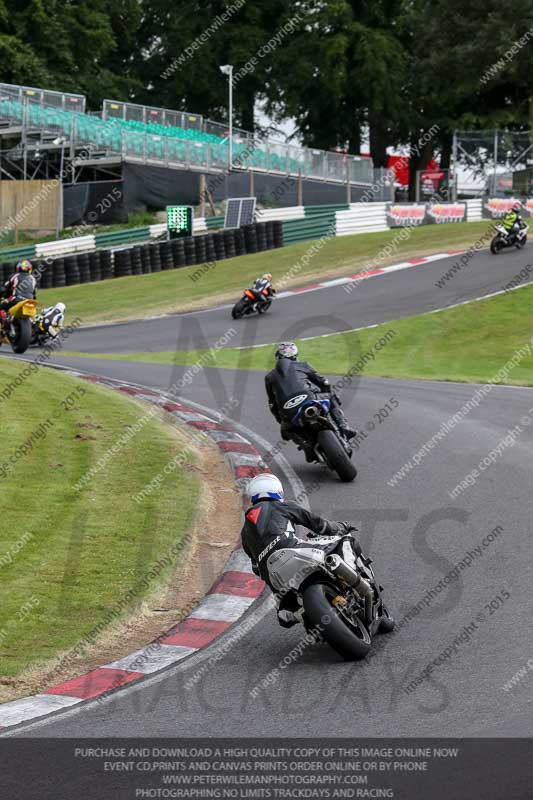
346, 634
239, 309
336, 456
21, 341
496, 245
521, 243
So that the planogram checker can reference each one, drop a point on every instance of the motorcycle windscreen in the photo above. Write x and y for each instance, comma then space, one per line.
289, 567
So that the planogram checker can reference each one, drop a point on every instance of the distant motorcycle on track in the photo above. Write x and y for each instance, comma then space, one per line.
251, 303
506, 238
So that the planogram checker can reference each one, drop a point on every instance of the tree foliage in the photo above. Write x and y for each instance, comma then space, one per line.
392, 68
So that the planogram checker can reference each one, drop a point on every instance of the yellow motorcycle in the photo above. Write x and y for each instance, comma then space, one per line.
17, 329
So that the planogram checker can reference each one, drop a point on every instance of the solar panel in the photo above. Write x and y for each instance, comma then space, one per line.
233, 213
247, 211
239, 211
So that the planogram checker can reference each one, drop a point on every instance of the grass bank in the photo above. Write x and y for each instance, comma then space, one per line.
188, 288
72, 548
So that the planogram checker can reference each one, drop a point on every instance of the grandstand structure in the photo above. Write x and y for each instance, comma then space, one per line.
45, 133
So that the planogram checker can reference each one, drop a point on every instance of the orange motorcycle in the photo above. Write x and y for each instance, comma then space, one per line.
251, 303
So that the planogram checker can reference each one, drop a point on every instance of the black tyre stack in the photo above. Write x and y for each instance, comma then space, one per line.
261, 235
278, 233
250, 237
72, 272
220, 248
190, 250
6, 271
122, 263
167, 261
240, 242
106, 262
155, 258
210, 252
229, 243
200, 249
58, 273
178, 253
146, 265
43, 274
136, 261
270, 234
84, 268
95, 267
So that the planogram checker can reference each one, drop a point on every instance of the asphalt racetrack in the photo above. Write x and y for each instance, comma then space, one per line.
377, 299
476, 625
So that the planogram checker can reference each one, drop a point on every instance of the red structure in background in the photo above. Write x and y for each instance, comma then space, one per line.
400, 165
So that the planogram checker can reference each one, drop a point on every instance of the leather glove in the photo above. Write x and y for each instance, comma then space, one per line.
344, 527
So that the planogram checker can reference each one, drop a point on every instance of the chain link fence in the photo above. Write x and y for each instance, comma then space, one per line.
495, 163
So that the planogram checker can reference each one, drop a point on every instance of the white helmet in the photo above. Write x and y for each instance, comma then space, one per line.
265, 487
287, 350
61, 307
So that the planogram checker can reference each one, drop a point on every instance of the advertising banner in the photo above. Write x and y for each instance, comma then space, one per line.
401, 215
412, 214
446, 212
497, 207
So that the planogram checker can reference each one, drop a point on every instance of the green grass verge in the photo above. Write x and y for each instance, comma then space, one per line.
67, 557
471, 342
176, 290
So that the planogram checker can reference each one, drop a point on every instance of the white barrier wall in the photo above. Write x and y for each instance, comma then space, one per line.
362, 218
474, 210
62, 247
269, 214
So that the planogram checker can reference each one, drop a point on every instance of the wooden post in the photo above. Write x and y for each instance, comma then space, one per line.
300, 188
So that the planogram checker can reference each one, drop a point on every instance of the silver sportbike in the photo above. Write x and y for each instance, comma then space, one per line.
335, 589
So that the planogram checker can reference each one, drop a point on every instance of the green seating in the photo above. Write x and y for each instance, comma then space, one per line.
157, 141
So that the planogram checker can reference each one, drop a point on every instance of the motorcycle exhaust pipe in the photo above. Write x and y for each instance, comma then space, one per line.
349, 575
353, 579
311, 412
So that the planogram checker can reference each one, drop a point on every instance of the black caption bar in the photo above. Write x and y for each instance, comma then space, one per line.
295, 769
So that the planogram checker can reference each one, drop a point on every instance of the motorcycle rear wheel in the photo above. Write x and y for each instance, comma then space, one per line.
262, 309
336, 456
21, 342
349, 637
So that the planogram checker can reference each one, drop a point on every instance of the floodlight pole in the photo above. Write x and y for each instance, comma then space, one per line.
227, 69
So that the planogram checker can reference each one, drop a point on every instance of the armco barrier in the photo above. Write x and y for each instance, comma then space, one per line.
62, 247
270, 214
299, 230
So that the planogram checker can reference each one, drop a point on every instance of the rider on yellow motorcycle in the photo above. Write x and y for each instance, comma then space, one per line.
21, 286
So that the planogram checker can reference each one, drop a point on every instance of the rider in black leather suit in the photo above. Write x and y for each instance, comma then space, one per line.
291, 377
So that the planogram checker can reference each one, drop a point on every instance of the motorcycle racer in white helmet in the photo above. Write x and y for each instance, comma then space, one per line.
269, 525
